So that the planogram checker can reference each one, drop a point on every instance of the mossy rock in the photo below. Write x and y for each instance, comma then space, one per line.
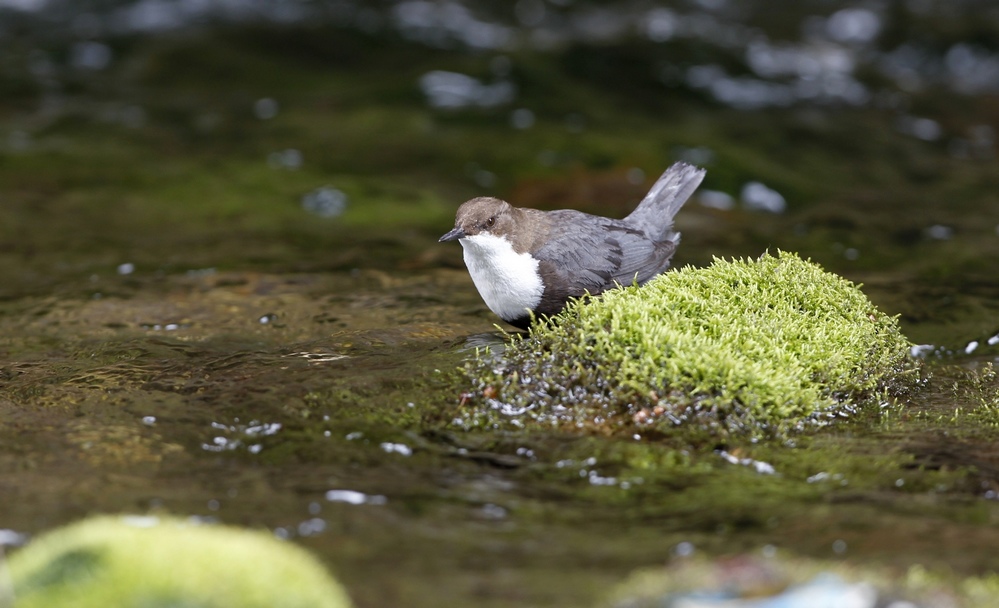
152, 562
775, 578
750, 347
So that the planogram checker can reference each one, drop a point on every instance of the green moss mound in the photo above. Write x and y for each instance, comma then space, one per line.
154, 562
758, 347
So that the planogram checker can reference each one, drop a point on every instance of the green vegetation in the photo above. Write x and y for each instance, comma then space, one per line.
149, 561
758, 347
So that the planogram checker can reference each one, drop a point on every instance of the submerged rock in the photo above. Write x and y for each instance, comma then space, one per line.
752, 347
152, 561
774, 579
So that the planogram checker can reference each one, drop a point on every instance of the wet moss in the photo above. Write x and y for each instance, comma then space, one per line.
980, 389
962, 400
752, 348
146, 561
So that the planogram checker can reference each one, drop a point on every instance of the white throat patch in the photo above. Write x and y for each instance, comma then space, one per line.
508, 281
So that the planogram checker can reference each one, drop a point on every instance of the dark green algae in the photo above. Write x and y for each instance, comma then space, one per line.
479, 517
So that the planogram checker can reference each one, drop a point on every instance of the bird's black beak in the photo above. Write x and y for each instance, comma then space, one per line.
454, 235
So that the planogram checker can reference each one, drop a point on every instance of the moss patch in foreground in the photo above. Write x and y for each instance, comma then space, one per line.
779, 579
750, 347
150, 561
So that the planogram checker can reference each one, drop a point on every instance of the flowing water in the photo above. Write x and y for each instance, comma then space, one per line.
221, 293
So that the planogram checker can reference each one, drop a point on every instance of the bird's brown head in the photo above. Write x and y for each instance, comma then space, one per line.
484, 214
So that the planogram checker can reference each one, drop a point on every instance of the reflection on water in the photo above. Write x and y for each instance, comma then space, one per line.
354, 498
236, 436
493, 341
451, 90
325, 202
756, 196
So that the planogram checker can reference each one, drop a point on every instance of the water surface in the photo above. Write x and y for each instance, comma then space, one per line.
221, 292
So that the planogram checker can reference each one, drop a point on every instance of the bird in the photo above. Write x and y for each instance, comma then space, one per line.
529, 264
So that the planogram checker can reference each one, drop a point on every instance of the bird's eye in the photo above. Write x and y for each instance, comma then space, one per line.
490, 222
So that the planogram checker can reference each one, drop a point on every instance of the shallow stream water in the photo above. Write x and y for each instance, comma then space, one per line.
221, 293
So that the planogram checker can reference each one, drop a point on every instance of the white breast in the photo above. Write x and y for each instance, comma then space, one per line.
508, 281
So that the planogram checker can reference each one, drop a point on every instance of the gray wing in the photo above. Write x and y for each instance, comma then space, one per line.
591, 254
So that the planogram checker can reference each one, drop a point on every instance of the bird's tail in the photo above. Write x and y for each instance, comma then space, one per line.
655, 213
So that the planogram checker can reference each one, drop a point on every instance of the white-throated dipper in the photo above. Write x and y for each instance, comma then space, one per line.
526, 261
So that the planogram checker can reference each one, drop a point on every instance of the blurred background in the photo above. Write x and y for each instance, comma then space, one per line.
221, 290
317, 135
